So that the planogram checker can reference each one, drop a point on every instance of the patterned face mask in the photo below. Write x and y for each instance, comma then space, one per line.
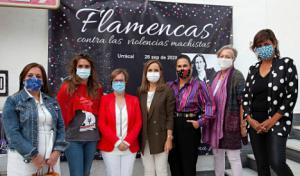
184, 73
265, 52
33, 84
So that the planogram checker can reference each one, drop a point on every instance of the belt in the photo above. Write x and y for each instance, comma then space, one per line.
185, 114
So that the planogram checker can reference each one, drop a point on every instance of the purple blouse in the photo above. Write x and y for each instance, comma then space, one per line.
195, 96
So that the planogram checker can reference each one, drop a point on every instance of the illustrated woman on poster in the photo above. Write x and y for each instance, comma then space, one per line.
200, 69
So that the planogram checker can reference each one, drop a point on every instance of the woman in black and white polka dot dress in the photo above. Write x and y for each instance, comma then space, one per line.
269, 99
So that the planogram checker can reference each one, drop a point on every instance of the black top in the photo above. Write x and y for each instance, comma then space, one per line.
260, 94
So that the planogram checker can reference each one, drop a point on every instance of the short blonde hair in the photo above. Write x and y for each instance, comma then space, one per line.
118, 71
228, 47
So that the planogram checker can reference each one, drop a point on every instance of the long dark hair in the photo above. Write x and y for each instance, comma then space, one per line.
195, 73
263, 35
44, 88
145, 83
74, 80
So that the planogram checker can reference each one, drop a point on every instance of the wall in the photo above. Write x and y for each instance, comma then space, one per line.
23, 39
23, 33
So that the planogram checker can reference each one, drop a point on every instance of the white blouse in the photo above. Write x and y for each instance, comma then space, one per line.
45, 144
150, 98
45, 129
121, 127
121, 121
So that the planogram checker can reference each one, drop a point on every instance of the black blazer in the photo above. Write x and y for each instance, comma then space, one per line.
282, 92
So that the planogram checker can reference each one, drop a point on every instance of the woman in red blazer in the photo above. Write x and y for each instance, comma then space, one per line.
119, 123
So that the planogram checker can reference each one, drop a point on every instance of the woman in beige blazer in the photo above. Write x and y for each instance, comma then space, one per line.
157, 106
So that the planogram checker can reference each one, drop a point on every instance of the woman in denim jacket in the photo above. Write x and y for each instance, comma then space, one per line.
33, 125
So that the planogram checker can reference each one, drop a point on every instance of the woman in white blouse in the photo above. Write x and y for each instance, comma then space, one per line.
33, 125
120, 123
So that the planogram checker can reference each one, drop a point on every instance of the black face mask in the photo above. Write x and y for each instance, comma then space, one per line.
183, 74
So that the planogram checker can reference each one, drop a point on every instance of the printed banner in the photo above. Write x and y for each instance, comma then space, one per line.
123, 33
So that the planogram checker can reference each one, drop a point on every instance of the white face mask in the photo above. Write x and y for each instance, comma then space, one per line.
153, 77
225, 63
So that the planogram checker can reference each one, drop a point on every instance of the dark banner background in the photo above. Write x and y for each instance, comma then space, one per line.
125, 34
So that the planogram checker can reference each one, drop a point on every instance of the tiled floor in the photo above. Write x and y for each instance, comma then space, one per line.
205, 165
98, 168
295, 167
293, 144
296, 127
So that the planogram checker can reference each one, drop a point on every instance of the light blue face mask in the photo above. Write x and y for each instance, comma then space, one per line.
83, 73
265, 52
118, 86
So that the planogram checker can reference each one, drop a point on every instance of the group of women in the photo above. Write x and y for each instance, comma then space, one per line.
164, 121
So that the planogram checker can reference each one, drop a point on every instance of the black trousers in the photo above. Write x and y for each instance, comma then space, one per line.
269, 150
183, 157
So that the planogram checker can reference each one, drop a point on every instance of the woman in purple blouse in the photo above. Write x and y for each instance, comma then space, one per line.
194, 106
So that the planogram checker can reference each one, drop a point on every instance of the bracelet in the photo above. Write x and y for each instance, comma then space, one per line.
170, 136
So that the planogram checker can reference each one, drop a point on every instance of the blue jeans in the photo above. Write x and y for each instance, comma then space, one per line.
80, 155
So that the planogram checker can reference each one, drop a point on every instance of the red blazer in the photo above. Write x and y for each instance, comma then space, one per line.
107, 123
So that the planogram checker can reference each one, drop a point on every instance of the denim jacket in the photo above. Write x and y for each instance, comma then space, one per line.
20, 120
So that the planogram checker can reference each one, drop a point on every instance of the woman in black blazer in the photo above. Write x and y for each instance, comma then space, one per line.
269, 99
157, 106
201, 71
